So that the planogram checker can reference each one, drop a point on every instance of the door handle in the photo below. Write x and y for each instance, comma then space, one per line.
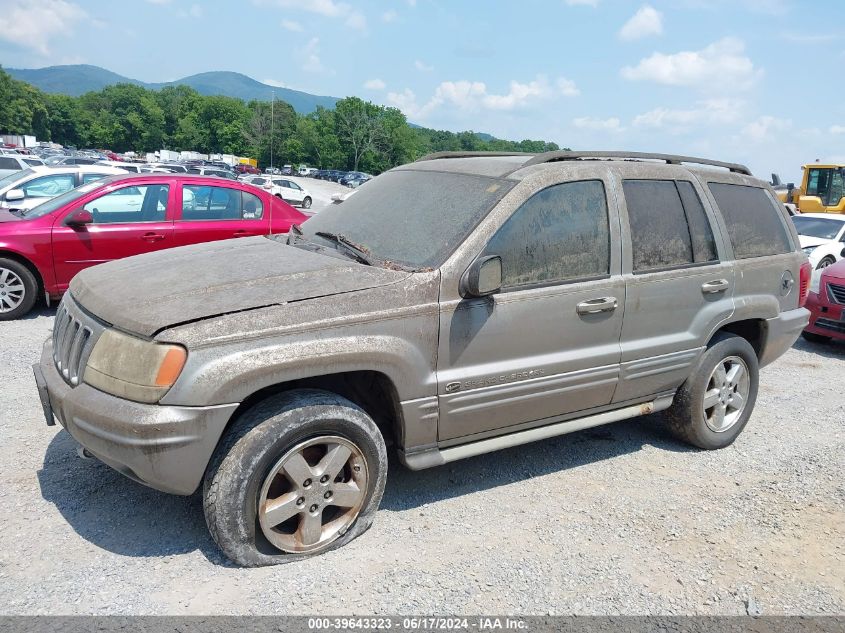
152, 237
594, 306
240, 233
717, 285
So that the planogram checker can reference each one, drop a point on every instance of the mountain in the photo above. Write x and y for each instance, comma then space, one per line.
78, 79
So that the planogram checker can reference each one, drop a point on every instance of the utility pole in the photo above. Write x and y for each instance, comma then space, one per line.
272, 126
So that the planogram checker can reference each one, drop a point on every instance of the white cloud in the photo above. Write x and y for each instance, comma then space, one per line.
713, 111
326, 8
473, 96
612, 124
34, 24
837, 129
389, 16
762, 128
567, 87
274, 82
375, 84
422, 67
356, 21
292, 25
647, 21
722, 65
585, 3
311, 57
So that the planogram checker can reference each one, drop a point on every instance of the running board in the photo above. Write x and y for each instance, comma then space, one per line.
431, 457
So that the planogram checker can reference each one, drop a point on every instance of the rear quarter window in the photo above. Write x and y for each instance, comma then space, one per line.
754, 223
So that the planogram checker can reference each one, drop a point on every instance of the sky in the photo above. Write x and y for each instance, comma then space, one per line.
734, 80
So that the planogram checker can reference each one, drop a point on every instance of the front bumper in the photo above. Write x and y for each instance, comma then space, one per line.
164, 447
780, 333
826, 317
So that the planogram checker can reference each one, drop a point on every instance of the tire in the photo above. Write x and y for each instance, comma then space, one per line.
253, 461
812, 337
18, 289
279, 196
829, 260
688, 419
306, 203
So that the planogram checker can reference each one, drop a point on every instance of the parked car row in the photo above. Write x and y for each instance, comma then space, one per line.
116, 216
287, 190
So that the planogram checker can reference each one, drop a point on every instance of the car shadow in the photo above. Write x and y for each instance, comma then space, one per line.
120, 515
407, 489
39, 311
831, 349
126, 518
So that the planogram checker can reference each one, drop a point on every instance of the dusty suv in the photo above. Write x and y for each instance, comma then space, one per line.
453, 306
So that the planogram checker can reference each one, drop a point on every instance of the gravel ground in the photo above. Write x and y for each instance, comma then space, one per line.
616, 520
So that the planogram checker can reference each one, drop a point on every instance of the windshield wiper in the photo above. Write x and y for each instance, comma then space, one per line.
358, 252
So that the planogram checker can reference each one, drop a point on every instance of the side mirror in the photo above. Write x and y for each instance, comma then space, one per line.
15, 195
79, 218
483, 277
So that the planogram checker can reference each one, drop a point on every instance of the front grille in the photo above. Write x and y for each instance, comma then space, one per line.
830, 324
74, 335
836, 293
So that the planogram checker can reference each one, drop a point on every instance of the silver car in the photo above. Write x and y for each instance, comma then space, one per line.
30, 187
454, 306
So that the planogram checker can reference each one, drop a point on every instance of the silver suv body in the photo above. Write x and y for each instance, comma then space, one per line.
456, 305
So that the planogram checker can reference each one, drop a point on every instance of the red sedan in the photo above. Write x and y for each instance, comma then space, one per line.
826, 303
42, 248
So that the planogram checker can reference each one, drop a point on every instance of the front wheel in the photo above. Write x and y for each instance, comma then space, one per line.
713, 406
299, 474
306, 203
18, 289
825, 262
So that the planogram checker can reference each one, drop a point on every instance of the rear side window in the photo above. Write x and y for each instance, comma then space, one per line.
754, 223
201, 202
559, 234
668, 225
9, 163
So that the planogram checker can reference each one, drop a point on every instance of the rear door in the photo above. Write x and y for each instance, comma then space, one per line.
129, 219
679, 284
217, 211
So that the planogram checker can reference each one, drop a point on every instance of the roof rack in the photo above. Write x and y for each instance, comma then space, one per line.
671, 159
437, 155
551, 157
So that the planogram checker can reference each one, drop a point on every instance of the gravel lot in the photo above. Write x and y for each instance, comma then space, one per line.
619, 519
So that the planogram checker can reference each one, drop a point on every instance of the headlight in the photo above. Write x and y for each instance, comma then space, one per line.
133, 368
809, 249
815, 280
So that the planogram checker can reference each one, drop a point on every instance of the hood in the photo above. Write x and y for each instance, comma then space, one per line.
148, 293
806, 240
8, 216
835, 272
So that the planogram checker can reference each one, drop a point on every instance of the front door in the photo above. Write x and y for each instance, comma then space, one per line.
548, 343
130, 220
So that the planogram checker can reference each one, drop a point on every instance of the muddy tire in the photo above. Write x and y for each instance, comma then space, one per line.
712, 407
299, 474
18, 289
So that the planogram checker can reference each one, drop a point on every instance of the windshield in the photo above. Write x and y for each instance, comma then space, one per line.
415, 218
59, 201
14, 177
821, 228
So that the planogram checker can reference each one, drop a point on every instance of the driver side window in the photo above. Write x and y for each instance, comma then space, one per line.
560, 234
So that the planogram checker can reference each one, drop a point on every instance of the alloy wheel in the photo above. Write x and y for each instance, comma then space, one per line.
12, 290
726, 394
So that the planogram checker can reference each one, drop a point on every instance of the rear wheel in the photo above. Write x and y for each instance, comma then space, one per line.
18, 289
299, 474
812, 337
713, 406
306, 203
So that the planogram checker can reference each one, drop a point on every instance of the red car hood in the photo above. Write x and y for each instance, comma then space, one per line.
835, 272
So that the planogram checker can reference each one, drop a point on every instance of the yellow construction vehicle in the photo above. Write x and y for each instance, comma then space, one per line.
822, 190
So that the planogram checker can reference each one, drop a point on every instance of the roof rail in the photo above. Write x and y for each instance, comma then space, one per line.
671, 159
437, 155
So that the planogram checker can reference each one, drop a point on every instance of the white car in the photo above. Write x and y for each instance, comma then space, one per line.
283, 188
822, 237
30, 187
11, 163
